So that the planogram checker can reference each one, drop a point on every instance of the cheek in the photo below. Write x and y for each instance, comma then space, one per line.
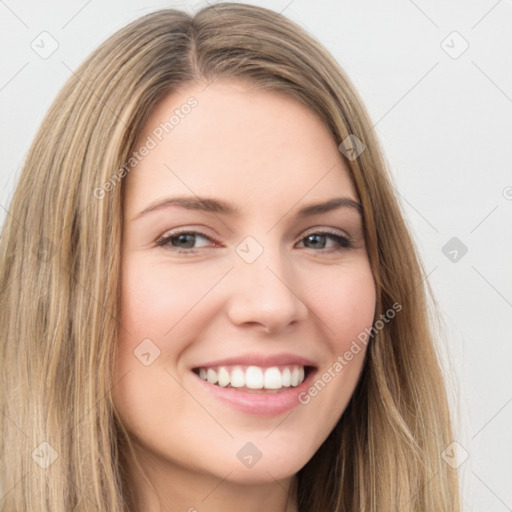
157, 302
344, 302
156, 298
346, 312
162, 310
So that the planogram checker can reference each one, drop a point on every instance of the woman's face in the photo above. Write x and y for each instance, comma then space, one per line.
243, 263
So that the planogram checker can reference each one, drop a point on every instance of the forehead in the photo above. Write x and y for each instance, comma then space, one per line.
248, 146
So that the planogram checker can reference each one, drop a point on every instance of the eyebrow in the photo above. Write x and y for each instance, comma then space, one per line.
211, 205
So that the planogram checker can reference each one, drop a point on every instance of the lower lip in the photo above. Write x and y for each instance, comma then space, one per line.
271, 404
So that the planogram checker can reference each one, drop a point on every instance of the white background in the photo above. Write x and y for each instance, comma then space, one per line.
446, 127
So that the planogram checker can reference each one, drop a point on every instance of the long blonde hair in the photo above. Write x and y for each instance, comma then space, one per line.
60, 442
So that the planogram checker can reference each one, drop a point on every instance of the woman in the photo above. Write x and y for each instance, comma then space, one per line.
285, 362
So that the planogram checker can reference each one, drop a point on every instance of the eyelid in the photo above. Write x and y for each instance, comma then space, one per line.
326, 230
171, 233
199, 231
342, 240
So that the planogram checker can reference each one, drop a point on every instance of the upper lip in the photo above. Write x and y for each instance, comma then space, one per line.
263, 360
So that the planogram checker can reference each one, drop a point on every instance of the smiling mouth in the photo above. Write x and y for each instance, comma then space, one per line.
255, 379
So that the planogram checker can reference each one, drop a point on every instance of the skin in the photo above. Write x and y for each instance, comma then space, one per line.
269, 156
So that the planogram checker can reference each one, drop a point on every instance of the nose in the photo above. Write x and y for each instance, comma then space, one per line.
265, 294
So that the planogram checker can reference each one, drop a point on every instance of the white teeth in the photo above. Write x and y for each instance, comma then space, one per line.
254, 377
273, 378
211, 376
295, 377
223, 377
238, 378
286, 378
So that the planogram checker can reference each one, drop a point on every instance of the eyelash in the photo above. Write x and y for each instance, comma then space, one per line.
343, 242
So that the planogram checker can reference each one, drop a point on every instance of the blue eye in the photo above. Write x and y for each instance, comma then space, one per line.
186, 242
320, 239
183, 242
